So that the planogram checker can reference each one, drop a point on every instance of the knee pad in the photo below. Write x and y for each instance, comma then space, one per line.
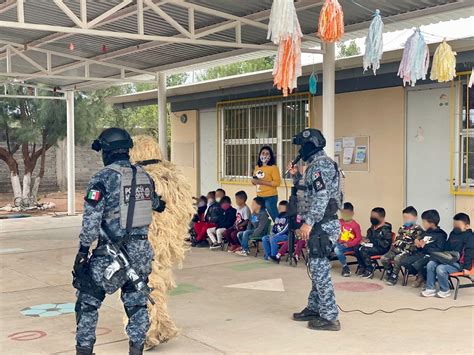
133, 309
82, 308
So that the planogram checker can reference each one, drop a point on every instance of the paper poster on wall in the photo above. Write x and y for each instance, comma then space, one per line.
348, 152
361, 152
348, 142
338, 146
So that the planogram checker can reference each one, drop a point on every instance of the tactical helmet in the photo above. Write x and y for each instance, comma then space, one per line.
310, 135
113, 139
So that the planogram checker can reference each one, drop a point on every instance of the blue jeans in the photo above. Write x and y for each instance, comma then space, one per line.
271, 206
439, 272
339, 250
270, 244
243, 238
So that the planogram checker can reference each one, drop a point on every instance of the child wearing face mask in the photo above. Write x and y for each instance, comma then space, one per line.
211, 217
377, 242
350, 237
226, 220
403, 247
460, 245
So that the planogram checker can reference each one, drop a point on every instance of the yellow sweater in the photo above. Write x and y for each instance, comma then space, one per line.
270, 174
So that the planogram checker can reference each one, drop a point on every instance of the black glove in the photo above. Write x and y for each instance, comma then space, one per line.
81, 260
159, 205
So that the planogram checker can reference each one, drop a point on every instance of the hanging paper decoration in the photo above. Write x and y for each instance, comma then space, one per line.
471, 79
331, 21
444, 63
71, 46
374, 44
104, 48
284, 30
415, 59
313, 84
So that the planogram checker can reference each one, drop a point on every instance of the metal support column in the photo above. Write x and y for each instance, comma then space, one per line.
329, 90
162, 116
71, 175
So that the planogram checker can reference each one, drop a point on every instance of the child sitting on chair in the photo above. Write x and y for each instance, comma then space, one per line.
279, 232
456, 256
256, 227
241, 221
403, 246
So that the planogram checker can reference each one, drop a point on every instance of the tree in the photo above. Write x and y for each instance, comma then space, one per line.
248, 66
348, 49
31, 126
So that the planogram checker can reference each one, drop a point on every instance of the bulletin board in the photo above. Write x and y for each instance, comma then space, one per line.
352, 153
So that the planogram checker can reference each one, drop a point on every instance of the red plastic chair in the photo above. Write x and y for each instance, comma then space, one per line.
458, 276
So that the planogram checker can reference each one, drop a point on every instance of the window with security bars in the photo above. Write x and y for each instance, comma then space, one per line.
463, 141
246, 126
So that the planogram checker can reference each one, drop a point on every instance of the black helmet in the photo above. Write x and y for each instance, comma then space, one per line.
310, 135
113, 139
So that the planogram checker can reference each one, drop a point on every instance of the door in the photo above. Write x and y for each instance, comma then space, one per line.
428, 160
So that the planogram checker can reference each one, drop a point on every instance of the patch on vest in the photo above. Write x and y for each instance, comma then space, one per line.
142, 192
318, 182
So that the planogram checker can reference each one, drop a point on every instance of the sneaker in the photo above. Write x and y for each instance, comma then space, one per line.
392, 281
368, 274
275, 259
216, 246
242, 253
428, 293
360, 271
346, 272
444, 294
388, 275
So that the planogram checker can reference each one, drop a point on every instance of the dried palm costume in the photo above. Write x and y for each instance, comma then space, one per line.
166, 235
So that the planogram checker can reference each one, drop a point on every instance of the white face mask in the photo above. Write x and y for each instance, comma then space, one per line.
218, 199
210, 201
264, 158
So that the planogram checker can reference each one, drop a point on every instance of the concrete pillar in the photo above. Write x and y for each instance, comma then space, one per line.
71, 175
329, 90
162, 116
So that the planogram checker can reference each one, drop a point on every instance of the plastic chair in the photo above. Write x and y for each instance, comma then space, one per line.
458, 276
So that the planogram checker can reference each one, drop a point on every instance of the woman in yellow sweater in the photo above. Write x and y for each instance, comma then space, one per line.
266, 177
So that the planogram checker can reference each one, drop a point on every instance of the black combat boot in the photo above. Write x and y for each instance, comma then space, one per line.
135, 349
82, 350
323, 324
305, 315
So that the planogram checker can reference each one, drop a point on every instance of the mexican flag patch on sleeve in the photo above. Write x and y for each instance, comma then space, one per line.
93, 195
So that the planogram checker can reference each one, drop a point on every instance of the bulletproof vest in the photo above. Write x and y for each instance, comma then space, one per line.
334, 189
143, 195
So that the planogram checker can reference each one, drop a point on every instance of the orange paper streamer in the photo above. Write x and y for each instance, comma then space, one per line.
331, 21
287, 65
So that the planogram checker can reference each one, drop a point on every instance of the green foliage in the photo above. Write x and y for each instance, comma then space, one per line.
348, 49
248, 66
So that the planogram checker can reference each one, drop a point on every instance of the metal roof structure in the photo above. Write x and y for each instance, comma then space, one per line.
79, 44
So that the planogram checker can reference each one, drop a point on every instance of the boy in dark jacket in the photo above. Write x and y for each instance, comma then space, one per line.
226, 220
241, 221
431, 240
460, 242
211, 217
279, 233
256, 227
403, 246
377, 242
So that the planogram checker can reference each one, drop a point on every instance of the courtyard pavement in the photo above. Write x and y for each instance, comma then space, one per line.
224, 304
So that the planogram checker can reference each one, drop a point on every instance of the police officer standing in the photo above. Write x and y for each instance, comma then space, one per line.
108, 219
318, 200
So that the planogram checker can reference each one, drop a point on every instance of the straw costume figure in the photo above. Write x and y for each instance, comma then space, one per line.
166, 234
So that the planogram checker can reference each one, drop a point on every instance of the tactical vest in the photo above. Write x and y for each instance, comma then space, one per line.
335, 197
143, 205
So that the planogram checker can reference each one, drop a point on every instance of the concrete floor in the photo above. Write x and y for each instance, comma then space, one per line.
36, 259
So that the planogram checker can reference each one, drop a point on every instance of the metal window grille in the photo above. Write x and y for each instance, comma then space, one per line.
462, 136
244, 126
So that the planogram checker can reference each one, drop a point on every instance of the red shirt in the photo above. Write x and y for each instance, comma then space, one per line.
350, 233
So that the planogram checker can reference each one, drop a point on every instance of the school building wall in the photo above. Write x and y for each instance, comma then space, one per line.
379, 114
